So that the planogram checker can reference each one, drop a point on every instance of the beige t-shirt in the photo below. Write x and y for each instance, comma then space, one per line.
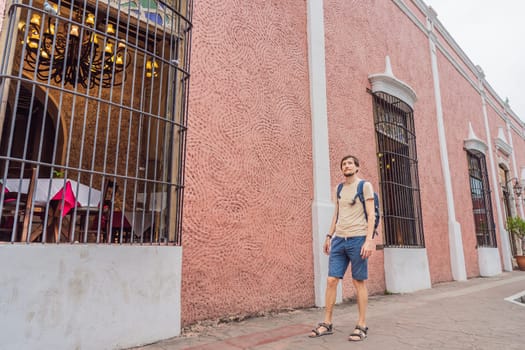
351, 218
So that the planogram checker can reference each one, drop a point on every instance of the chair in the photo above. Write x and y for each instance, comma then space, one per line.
32, 210
90, 219
119, 224
18, 209
12, 213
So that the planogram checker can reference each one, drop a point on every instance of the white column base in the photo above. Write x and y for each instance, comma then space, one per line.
489, 262
322, 213
406, 270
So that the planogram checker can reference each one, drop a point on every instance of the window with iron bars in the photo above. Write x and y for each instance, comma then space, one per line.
93, 128
481, 203
398, 172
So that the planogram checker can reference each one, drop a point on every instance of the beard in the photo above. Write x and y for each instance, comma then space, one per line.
350, 174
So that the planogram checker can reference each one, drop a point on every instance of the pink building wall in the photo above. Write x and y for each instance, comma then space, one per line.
247, 243
247, 217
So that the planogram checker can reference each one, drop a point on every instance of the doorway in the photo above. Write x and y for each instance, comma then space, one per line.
28, 133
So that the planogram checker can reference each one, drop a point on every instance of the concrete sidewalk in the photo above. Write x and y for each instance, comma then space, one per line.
456, 315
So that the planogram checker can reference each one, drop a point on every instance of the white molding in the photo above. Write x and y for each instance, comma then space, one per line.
386, 82
504, 162
472, 142
501, 143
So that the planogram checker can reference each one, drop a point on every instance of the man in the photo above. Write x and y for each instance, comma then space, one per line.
350, 240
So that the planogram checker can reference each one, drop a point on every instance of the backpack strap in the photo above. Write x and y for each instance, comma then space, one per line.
339, 189
361, 196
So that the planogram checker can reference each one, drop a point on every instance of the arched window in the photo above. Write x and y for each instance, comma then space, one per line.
481, 203
399, 182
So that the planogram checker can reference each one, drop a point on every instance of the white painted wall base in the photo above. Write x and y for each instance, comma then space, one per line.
457, 257
322, 214
489, 262
88, 296
406, 270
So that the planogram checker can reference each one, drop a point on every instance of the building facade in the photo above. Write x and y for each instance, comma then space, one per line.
240, 165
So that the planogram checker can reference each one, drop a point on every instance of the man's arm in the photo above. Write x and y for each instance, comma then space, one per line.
368, 246
331, 231
371, 217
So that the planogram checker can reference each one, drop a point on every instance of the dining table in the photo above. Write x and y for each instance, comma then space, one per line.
63, 195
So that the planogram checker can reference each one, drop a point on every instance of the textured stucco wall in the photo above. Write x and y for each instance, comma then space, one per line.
247, 210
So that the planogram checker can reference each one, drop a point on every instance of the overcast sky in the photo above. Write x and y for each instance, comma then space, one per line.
492, 34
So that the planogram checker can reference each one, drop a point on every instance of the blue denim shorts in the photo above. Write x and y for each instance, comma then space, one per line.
346, 251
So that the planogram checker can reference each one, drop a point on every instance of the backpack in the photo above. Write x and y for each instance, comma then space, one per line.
361, 196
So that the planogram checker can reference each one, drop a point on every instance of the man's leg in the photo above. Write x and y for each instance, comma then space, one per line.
331, 293
362, 301
337, 265
359, 277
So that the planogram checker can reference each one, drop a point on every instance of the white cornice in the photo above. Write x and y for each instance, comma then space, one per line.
386, 82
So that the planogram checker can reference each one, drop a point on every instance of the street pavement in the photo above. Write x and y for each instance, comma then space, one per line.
481, 313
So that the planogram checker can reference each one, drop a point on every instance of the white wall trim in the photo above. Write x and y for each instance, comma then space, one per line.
455, 239
514, 166
322, 206
472, 142
501, 143
505, 241
386, 82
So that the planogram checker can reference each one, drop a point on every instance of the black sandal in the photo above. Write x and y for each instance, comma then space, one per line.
319, 333
360, 332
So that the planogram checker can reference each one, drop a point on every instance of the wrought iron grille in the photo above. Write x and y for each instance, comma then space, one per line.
398, 171
481, 203
93, 121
